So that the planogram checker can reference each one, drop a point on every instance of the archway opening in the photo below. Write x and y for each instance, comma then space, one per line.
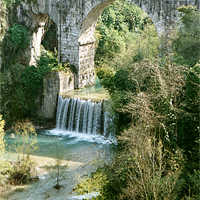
50, 38
107, 33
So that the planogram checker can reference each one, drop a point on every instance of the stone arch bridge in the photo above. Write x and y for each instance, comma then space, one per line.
76, 21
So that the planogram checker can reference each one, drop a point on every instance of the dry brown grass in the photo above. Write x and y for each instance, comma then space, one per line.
152, 169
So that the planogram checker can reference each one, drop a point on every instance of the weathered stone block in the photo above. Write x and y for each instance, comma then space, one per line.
54, 83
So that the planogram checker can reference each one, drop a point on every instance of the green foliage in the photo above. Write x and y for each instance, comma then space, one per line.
187, 43
126, 26
50, 40
106, 75
93, 183
21, 171
160, 105
10, 3
18, 37
139, 171
27, 82
16, 40
138, 47
115, 26
158, 102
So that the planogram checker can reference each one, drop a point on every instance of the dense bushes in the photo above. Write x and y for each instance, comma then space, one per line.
16, 40
21, 84
115, 27
151, 158
160, 156
156, 101
22, 170
27, 82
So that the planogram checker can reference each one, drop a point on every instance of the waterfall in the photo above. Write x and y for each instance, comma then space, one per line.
85, 117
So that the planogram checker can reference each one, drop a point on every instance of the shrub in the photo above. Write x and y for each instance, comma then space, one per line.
163, 129
19, 36
140, 171
28, 138
2, 148
116, 25
93, 183
27, 82
22, 170
16, 40
157, 106
106, 77
4, 165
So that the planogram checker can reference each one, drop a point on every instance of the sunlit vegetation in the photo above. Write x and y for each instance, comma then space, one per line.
120, 24
156, 100
155, 96
20, 171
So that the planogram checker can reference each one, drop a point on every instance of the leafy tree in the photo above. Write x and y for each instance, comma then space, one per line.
187, 42
115, 26
157, 104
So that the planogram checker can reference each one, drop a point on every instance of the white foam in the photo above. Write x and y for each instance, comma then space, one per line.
100, 139
85, 196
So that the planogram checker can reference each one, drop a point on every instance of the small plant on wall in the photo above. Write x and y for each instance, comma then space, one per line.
16, 40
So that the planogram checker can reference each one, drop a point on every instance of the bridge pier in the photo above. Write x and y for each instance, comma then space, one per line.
76, 37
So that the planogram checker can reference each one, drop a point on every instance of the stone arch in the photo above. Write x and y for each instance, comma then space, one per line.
76, 19
87, 41
50, 38
163, 14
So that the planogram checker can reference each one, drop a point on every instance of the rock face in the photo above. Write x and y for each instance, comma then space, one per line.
76, 21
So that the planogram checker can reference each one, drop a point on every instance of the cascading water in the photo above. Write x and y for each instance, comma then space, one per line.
83, 118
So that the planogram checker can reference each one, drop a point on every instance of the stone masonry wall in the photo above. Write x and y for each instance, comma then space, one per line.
54, 84
86, 61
